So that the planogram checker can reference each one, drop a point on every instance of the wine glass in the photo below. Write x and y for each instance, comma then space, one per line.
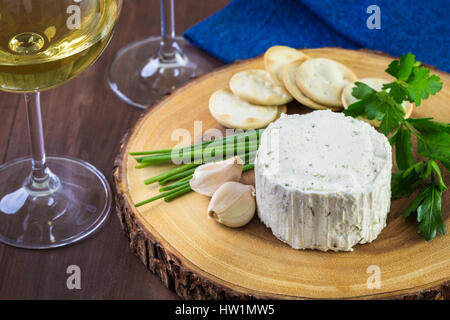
45, 43
144, 71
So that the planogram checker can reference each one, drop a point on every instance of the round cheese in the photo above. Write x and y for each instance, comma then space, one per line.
323, 180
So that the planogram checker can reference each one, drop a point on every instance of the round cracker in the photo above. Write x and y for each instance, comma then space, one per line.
277, 57
376, 84
233, 112
322, 80
290, 84
409, 108
256, 86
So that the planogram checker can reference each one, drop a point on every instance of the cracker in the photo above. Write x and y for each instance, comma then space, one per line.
256, 86
233, 112
277, 57
409, 108
322, 80
288, 73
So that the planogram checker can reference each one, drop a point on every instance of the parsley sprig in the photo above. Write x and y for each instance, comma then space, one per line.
413, 83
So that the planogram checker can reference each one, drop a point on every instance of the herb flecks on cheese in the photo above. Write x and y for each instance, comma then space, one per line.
323, 180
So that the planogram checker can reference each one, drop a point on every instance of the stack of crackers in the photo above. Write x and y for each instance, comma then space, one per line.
257, 97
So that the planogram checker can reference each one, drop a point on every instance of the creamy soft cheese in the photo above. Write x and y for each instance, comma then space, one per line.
323, 180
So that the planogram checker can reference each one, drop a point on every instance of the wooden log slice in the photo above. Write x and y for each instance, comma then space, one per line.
201, 259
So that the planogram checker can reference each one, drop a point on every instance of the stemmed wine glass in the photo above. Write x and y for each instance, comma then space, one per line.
146, 70
45, 43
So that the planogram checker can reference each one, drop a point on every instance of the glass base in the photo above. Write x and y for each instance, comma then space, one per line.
75, 209
139, 78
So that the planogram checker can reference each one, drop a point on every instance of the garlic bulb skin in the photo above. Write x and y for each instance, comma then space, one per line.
233, 204
209, 177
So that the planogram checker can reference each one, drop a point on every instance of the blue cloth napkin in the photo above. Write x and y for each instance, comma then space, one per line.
246, 28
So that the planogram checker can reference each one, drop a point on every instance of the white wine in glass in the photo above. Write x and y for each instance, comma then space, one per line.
50, 201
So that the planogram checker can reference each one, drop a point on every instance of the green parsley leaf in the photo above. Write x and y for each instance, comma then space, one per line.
429, 214
435, 145
361, 90
429, 211
428, 125
356, 109
404, 182
397, 90
426, 173
422, 85
415, 203
403, 149
393, 138
376, 105
402, 69
413, 83
390, 112
437, 170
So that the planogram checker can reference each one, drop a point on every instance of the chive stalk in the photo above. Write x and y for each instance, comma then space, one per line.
176, 184
216, 142
161, 195
197, 155
245, 149
177, 176
169, 173
178, 172
178, 193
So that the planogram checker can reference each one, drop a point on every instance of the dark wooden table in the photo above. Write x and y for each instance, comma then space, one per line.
84, 119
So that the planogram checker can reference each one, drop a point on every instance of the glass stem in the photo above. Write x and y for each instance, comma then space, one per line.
167, 52
41, 180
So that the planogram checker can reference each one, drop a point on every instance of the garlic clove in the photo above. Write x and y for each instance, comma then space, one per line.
233, 204
209, 177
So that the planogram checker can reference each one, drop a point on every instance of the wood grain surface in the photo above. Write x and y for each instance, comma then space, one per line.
84, 119
200, 258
